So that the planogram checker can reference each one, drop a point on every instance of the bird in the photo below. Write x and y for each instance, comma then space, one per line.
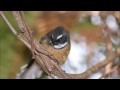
57, 42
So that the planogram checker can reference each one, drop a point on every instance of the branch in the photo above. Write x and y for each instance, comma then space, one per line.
20, 24
8, 23
28, 29
109, 71
95, 68
19, 36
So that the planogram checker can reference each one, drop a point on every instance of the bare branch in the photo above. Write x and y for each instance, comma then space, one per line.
8, 23
19, 36
28, 29
94, 68
106, 73
20, 24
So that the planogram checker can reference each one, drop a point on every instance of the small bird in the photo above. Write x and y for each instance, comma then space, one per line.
57, 42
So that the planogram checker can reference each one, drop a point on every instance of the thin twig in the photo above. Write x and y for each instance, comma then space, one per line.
106, 74
28, 29
8, 23
19, 36
20, 24
47, 69
95, 68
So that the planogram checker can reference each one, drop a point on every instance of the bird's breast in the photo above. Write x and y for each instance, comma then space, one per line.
59, 54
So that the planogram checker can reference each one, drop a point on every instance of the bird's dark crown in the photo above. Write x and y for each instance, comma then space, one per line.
59, 36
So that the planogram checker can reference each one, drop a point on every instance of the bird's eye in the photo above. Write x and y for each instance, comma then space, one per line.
60, 39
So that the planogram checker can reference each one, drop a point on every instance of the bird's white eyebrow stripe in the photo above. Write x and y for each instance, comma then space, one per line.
59, 36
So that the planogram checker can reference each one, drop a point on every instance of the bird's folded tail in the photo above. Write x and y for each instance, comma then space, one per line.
29, 71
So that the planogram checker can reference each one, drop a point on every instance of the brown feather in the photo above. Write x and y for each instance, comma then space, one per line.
59, 54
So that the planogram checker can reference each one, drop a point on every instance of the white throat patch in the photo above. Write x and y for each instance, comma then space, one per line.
60, 45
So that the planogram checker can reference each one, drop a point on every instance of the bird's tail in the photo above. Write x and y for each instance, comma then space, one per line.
29, 71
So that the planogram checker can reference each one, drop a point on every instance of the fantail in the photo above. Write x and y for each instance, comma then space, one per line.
57, 42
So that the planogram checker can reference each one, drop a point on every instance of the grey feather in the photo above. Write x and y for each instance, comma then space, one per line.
31, 72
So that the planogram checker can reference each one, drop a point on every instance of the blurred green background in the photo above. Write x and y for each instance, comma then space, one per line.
13, 53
